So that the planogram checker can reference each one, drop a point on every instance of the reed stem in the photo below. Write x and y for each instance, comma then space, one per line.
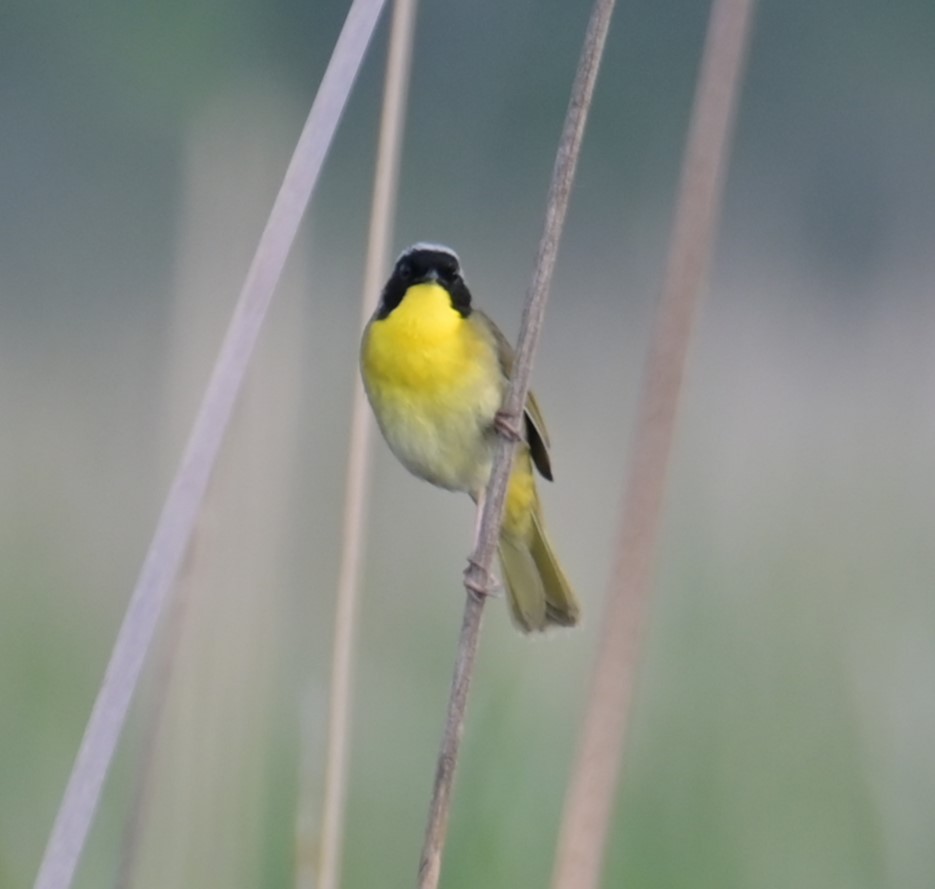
183, 502
593, 786
337, 753
478, 571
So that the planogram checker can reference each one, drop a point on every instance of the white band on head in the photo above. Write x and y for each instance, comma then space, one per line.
434, 248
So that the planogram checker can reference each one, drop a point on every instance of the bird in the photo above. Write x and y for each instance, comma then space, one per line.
436, 369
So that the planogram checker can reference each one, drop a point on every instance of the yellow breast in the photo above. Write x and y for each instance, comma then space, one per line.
434, 380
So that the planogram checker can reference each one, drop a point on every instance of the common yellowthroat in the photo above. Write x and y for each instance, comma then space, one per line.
436, 371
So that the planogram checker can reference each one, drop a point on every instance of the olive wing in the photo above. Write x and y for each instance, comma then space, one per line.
537, 437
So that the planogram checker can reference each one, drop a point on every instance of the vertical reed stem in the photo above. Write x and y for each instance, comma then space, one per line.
357, 483
593, 786
478, 571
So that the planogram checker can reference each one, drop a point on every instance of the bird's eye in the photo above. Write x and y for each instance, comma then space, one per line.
404, 271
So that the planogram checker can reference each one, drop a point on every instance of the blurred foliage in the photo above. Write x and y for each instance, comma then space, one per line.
784, 725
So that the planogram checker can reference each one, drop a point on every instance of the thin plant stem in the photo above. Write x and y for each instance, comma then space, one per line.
183, 502
357, 483
477, 575
593, 786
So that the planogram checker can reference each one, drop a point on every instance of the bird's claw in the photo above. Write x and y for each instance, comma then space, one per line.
481, 583
508, 426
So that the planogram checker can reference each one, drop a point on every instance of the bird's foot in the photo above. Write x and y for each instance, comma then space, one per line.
481, 583
507, 425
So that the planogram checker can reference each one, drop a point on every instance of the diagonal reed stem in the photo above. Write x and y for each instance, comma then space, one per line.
180, 511
478, 571
593, 786
357, 483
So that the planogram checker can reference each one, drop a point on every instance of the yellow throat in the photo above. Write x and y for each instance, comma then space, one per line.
422, 343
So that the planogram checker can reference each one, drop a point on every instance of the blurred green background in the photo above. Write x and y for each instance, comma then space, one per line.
785, 721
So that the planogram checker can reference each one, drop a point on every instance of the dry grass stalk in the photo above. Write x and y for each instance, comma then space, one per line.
478, 571
180, 511
357, 483
593, 787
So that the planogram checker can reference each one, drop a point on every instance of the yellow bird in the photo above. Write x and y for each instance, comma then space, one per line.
436, 371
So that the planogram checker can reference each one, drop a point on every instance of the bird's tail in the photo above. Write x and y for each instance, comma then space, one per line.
537, 589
